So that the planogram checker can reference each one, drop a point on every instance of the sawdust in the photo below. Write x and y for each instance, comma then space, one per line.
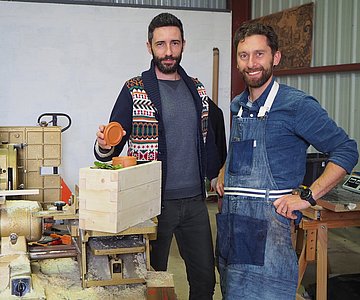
60, 279
159, 279
134, 265
95, 267
13, 205
20, 266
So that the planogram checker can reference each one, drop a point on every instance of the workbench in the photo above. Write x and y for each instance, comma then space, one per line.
312, 241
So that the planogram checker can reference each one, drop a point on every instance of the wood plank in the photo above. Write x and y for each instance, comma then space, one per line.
311, 245
327, 215
116, 222
339, 206
122, 179
321, 264
118, 251
312, 212
343, 223
110, 200
302, 266
147, 227
19, 192
116, 281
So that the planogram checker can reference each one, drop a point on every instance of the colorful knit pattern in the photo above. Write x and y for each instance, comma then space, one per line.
205, 103
143, 142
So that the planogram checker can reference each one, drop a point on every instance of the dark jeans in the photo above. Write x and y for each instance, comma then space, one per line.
188, 220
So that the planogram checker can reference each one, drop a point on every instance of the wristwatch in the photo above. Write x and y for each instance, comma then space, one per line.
305, 194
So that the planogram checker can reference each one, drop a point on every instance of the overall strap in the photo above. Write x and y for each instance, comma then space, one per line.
268, 102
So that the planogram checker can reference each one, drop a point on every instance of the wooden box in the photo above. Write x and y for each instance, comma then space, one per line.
114, 200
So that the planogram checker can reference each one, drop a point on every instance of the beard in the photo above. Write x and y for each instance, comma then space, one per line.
266, 73
164, 68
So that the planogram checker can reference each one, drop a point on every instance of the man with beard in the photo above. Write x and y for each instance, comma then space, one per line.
272, 128
164, 113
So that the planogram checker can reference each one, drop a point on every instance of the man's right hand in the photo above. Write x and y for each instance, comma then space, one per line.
100, 138
220, 182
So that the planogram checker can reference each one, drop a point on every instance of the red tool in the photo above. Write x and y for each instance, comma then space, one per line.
65, 239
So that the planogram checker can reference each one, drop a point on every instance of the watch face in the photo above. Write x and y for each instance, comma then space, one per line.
305, 194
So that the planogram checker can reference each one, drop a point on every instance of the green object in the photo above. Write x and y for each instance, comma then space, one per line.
101, 165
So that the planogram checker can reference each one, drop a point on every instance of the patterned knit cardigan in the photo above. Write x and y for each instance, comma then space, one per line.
143, 141
139, 112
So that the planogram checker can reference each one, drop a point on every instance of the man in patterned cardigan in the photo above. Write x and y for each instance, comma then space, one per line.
164, 113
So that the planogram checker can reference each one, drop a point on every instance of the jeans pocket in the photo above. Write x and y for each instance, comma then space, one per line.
241, 157
223, 235
277, 218
248, 241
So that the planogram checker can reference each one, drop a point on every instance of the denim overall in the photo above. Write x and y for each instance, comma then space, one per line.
256, 259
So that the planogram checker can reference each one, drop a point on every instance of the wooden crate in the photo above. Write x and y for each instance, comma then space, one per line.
114, 200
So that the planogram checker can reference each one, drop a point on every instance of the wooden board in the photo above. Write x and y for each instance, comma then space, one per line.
340, 200
312, 212
114, 200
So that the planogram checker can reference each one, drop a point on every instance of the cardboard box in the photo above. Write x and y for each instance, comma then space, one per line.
114, 200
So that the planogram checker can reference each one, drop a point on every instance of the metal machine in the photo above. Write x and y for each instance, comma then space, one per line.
34, 220
25, 193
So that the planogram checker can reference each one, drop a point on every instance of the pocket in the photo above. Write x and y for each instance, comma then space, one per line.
223, 235
241, 157
248, 241
277, 218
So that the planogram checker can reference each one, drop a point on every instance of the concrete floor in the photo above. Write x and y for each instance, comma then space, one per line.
343, 256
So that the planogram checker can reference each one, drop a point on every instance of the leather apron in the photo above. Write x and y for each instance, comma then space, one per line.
256, 259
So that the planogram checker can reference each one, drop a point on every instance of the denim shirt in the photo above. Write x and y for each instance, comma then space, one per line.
296, 121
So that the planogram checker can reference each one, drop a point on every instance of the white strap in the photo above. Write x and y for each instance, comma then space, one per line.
268, 102
257, 193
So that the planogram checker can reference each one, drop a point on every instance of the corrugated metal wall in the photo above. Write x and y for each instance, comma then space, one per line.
192, 4
336, 40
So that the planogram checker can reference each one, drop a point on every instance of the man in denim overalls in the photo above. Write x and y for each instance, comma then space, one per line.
272, 127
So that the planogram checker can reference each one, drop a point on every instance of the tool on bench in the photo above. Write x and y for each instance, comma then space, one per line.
65, 239
47, 241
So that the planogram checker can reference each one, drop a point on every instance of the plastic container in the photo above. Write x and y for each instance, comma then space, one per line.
113, 133
315, 165
125, 161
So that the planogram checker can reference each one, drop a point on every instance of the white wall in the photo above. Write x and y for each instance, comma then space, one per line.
75, 58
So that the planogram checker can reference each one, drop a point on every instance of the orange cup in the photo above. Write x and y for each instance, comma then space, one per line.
113, 133
125, 161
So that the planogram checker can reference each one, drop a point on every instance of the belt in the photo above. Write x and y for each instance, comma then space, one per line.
259, 193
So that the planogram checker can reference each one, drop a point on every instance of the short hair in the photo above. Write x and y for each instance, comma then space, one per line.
251, 28
162, 20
